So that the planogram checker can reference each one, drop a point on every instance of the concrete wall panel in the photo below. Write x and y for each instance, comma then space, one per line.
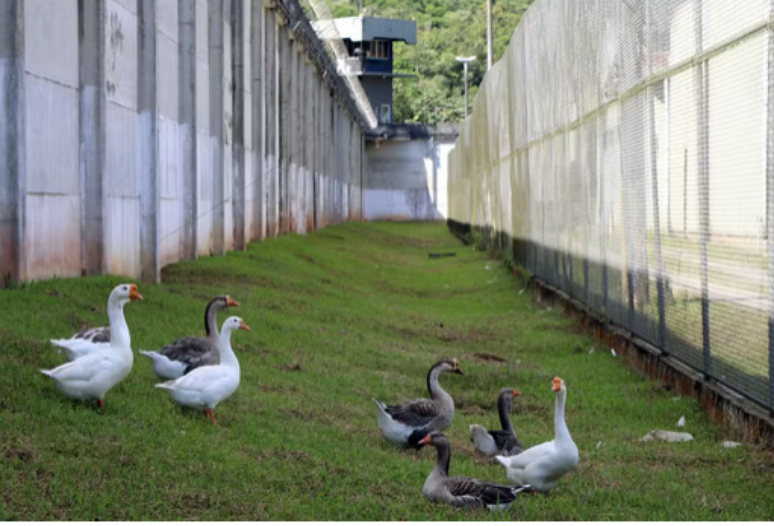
121, 152
52, 138
53, 241
122, 235
121, 54
51, 40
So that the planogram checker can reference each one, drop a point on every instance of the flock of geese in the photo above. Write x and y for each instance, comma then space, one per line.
417, 423
201, 372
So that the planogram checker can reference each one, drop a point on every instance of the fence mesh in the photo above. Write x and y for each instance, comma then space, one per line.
623, 150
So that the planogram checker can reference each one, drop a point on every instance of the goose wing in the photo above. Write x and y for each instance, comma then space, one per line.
95, 335
201, 380
414, 413
507, 442
469, 492
529, 456
190, 350
83, 369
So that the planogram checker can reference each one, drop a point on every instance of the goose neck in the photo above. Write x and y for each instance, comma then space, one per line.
227, 356
443, 460
504, 410
436, 391
211, 317
119, 331
560, 426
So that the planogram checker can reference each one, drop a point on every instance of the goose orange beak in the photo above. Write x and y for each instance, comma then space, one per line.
243, 326
557, 384
425, 440
134, 295
231, 302
516, 392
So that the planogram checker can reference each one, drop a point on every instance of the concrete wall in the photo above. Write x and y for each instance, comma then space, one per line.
136, 133
405, 180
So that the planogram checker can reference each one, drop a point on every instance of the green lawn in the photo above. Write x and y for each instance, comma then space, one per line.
338, 317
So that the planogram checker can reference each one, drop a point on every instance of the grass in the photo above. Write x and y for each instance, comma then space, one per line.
338, 317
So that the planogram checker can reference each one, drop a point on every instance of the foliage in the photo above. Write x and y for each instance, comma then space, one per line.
446, 29
340, 316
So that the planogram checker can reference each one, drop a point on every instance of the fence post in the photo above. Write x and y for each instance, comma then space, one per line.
92, 20
601, 123
13, 172
149, 144
770, 202
702, 109
239, 221
656, 217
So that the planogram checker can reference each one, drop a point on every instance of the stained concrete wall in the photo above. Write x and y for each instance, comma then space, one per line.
405, 179
136, 133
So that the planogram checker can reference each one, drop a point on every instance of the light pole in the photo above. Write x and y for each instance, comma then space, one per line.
488, 35
465, 61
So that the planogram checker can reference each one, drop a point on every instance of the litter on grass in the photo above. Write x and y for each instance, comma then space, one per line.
667, 436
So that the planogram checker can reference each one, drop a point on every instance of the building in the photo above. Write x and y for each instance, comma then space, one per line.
369, 43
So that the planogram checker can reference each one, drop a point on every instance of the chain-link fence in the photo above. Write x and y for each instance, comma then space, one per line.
623, 150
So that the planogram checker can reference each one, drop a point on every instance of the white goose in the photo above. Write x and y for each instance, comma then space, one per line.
207, 386
93, 375
542, 466
409, 422
186, 354
88, 341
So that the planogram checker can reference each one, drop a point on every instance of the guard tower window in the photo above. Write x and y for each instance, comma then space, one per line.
380, 49
385, 115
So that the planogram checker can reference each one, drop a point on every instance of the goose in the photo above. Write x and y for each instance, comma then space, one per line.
187, 353
205, 387
88, 341
407, 423
91, 376
505, 442
461, 491
542, 466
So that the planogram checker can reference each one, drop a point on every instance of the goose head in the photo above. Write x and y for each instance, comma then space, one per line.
234, 323
448, 366
507, 395
558, 385
435, 439
125, 293
229, 301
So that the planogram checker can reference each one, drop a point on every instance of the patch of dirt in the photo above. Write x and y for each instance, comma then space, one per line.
526, 406
449, 335
53, 293
290, 367
472, 410
308, 259
487, 357
23, 454
191, 501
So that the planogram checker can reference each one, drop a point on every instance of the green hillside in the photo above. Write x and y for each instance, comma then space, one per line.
446, 29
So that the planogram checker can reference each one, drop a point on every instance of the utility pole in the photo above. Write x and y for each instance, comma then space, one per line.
488, 34
465, 61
